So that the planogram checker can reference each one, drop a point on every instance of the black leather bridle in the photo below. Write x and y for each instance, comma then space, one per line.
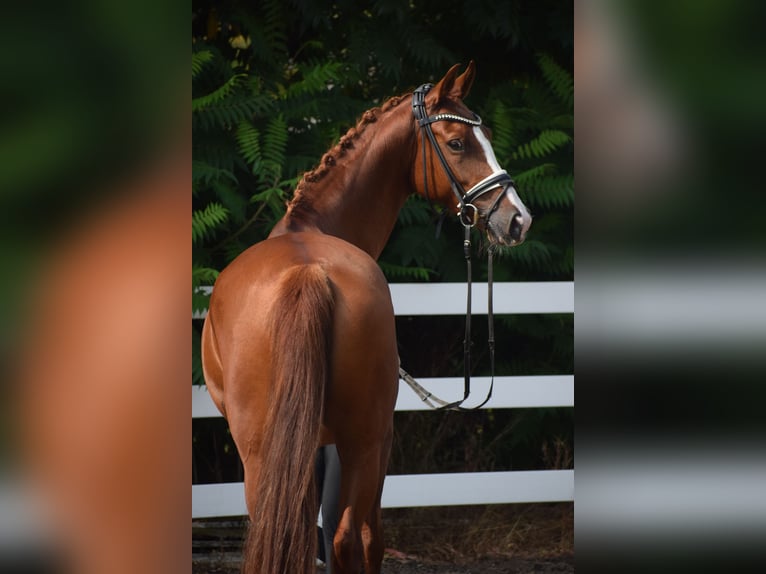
467, 212
469, 217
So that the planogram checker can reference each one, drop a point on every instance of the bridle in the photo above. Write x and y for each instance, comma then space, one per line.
468, 215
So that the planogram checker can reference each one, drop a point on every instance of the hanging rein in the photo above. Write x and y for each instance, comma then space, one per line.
469, 217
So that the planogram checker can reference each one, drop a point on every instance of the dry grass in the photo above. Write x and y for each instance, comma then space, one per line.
457, 534
488, 539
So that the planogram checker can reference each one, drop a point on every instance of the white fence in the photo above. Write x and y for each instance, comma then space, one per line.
228, 499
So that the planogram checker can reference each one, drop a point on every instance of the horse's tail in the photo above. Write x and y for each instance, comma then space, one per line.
282, 535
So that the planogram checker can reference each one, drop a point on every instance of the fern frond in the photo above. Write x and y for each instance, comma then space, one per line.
274, 198
524, 177
202, 278
218, 95
315, 79
266, 23
532, 253
228, 113
203, 172
203, 275
199, 59
550, 192
249, 145
205, 221
560, 81
273, 149
230, 197
421, 46
415, 211
541, 146
273, 24
504, 132
399, 249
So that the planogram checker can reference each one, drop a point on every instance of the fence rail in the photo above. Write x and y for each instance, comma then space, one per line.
227, 499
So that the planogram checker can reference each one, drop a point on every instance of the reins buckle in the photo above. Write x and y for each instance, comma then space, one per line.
466, 218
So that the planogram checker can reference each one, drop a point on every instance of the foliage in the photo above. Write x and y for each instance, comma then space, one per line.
275, 85
534, 133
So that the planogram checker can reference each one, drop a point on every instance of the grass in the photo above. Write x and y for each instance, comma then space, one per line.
455, 534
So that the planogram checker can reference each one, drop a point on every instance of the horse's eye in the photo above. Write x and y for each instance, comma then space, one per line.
456, 145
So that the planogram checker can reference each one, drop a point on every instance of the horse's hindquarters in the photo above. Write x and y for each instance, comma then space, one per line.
278, 286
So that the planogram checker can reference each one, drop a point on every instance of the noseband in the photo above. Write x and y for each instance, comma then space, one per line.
469, 217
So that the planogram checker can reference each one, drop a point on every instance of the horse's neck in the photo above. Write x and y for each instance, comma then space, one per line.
359, 198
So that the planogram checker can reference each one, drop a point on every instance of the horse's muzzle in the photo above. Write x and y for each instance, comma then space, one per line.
509, 219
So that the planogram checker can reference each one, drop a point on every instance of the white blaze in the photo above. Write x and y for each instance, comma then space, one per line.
489, 153
510, 192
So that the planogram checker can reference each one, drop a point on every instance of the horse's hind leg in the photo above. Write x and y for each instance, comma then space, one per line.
360, 492
372, 530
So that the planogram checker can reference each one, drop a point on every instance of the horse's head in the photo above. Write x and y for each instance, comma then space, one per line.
456, 165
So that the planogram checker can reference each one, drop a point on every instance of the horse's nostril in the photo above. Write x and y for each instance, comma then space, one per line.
516, 226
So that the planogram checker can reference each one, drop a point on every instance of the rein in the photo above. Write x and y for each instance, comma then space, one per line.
469, 217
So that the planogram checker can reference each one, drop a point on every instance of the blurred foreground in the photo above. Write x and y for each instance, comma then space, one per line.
670, 288
95, 174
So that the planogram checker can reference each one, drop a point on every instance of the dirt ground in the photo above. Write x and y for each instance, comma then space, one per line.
497, 565
500, 539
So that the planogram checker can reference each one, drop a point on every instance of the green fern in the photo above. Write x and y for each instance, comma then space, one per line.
203, 174
205, 221
421, 46
532, 253
202, 279
526, 177
273, 198
415, 211
505, 128
543, 145
550, 192
314, 79
268, 32
230, 112
232, 198
199, 60
204, 275
274, 22
249, 146
218, 95
560, 81
273, 150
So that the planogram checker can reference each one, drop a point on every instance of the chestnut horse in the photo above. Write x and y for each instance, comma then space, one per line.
299, 346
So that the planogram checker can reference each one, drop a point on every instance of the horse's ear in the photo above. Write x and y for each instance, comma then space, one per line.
464, 82
446, 85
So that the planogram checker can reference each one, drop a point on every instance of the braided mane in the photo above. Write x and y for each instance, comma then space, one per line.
330, 158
